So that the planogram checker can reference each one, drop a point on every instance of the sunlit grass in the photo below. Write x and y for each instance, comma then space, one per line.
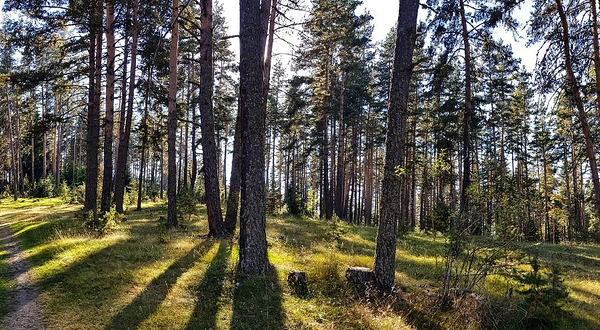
143, 276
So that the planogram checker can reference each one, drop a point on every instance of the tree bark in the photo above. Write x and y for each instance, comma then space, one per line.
467, 121
12, 149
253, 240
207, 124
172, 120
123, 152
93, 115
385, 253
589, 145
109, 118
234, 180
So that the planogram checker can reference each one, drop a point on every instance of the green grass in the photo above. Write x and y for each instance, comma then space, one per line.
142, 276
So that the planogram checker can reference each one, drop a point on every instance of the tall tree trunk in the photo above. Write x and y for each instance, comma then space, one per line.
93, 116
123, 152
172, 120
12, 149
110, 96
589, 145
340, 176
594, 19
207, 125
45, 141
385, 252
235, 179
467, 122
194, 173
253, 239
32, 150
123, 106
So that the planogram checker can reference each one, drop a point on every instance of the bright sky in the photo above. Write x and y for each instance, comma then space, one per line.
385, 14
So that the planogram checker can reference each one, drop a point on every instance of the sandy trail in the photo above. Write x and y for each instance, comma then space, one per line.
24, 310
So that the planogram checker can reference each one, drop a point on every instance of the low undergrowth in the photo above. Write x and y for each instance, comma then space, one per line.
138, 275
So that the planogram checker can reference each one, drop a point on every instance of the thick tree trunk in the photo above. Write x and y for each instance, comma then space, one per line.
207, 125
385, 253
253, 240
123, 152
93, 116
589, 145
172, 120
109, 118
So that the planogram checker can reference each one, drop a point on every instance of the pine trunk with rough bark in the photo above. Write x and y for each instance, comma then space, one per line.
234, 181
575, 94
207, 124
172, 120
93, 114
385, 253
109, 118
467, 121
123, 152
253, 240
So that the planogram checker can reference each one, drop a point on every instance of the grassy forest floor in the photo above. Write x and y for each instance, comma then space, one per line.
142, 276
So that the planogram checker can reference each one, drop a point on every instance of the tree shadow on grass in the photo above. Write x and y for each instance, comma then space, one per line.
257, 301
156, 291
210, 290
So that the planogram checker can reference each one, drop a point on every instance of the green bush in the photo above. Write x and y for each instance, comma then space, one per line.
186, 204
544, 294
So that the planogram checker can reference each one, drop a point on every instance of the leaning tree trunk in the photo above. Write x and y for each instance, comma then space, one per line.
207, 125
253, 239
123, 152
93, 115
172, 120
385, 253
109, 118
589, 145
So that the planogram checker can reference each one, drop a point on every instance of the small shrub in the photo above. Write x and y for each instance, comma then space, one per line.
186, 204
109, 221
78, 194
325, 275
103, 224
544, 295
64, 192
336, 230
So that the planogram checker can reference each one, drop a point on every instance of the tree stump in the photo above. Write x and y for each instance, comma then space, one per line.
360, 279
297, 281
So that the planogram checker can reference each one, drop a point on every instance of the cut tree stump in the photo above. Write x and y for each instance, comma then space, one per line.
360, 279
297, 281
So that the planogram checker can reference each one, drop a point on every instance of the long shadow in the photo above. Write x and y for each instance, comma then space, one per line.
257, 301
101, 276
209, 290
147, 302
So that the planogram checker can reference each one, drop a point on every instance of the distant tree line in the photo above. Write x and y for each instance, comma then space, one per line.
435, 128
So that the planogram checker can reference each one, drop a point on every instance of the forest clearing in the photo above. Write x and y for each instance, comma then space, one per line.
299, 164
142, 276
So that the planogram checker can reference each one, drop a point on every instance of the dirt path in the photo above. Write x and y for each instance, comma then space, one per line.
25, 312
